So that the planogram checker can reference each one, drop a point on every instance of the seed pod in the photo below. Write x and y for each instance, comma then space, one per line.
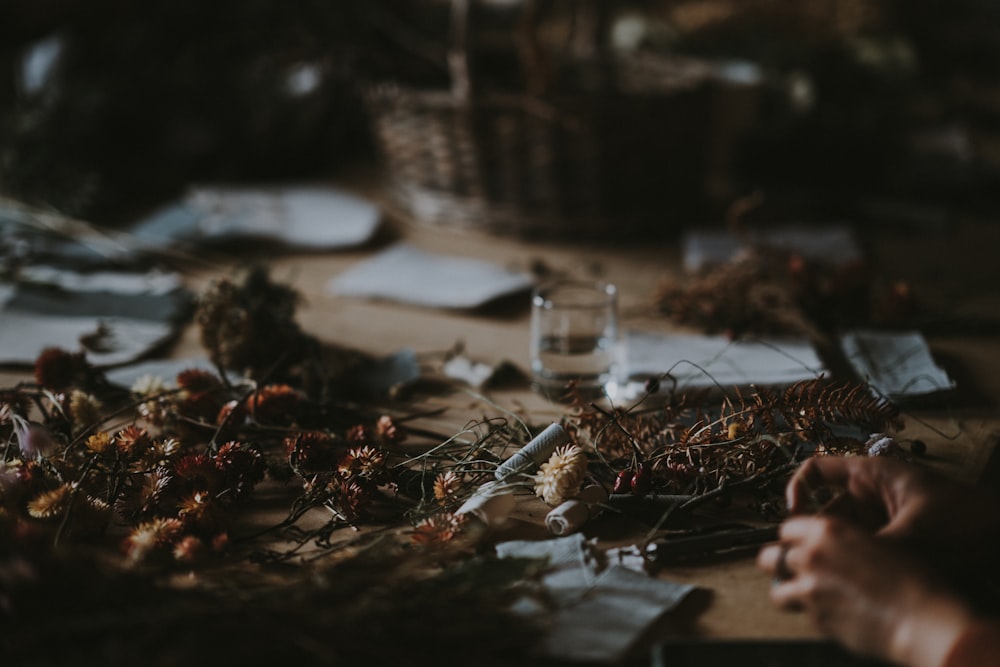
641, 480
622, 482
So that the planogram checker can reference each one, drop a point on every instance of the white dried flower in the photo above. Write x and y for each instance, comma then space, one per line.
560, 477
149, 385
880, 444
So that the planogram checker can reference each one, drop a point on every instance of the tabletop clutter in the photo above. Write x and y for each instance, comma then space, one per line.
111, 446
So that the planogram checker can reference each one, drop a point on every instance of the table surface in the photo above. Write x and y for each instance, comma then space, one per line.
953, 271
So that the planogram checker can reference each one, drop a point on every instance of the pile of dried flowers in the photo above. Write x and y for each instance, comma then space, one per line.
166, 469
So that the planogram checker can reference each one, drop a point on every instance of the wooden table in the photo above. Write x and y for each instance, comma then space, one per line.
954, 271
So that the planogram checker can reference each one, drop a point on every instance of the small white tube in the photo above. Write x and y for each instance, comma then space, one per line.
570, 515
491, 503
535, 453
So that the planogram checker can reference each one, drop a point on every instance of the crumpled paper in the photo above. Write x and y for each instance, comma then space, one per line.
601, 607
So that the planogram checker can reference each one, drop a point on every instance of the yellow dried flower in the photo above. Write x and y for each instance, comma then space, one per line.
51, 504
100, 442
446, 486
560, 477
84, 408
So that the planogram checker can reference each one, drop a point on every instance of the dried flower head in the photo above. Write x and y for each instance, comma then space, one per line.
447, 486
560, 477
196, 381
149, 537
133, 440
250, 325
366, 461
359, 434
84, 409
313, 450
438, 529
57, 370
51, 504
242, 466
387, 431
148, 385
142, 496
198, 471
275, 404
100, 442
190, 549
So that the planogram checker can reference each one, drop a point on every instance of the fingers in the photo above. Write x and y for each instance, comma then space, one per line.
815, 473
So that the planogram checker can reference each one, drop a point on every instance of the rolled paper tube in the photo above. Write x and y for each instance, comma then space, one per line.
535, 453
570, 515
490, 504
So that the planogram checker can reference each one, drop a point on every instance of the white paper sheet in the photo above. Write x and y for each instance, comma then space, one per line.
307, 217
701, 361
897, 364
23, 336
406, 274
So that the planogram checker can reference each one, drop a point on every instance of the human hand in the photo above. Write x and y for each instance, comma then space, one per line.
863, 592
904, 502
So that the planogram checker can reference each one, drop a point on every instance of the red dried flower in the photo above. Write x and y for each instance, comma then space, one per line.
189, 549
359, 434
198, 472
275, 404
196, 380
133, 441
200, 406
241, 465
313, 450
366, 461
387, 431
58, 370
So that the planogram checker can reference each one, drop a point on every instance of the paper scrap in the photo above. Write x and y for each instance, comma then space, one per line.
601, 609
701, 361
897, 364
112, 317
307, 217
406, 274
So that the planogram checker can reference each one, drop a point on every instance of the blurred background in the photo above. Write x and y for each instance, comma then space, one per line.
543, 117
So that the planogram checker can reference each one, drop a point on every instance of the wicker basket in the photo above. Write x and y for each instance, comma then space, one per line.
624, 160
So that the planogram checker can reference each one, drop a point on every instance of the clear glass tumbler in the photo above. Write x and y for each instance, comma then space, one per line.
574, 337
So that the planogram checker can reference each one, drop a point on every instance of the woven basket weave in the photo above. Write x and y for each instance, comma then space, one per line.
613, 163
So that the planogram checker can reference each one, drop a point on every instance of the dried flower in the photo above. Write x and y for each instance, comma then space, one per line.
241, 465
149, 537
440, 528
880, 444
387, 431
84, 408
275, 404
58, 370
366, 461
446, 486
560, 477
189, 549
133, 440
51, 504
148, 385
141, 498
359, 435
313, 450
196, 381
198, 471
100, 442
